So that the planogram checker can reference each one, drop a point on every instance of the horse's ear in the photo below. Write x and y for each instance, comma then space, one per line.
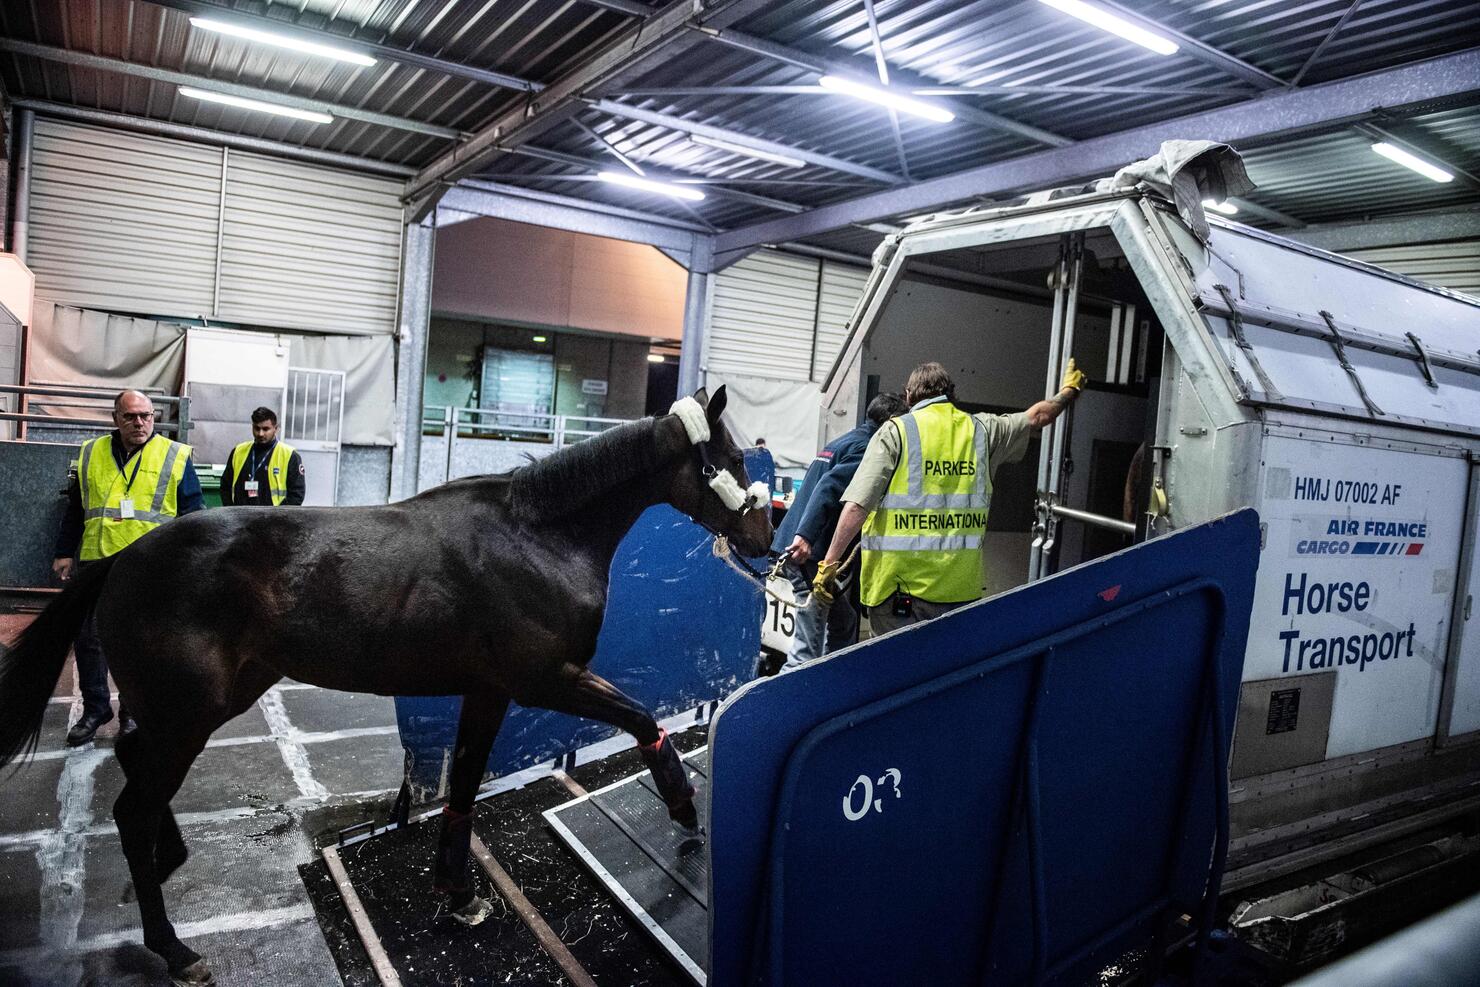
716, 405
702, 396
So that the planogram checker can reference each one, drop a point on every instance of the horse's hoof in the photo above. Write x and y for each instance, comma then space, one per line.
474, 912
686, 817
197, 974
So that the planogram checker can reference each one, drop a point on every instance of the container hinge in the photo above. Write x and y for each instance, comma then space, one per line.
1339, 346
1423, 359
1236, 326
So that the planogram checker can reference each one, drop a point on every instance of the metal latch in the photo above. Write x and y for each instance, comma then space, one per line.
1423, 360
1339, 346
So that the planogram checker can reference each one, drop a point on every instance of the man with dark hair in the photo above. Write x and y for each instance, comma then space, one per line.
263, 472
920, 500
821, 628
126, 484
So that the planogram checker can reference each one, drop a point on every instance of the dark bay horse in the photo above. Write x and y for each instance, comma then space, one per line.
490, 587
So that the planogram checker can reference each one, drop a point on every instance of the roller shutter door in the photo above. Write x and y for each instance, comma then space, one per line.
763, 317
138, 224
123, 222
842, 285
304, 247
1453, 265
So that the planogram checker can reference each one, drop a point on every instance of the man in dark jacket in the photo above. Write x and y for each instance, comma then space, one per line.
810, 522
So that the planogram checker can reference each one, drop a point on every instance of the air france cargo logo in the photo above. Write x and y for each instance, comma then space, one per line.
1358, 536
1367, 536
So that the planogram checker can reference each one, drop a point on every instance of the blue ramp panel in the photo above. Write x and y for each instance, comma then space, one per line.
1015, 793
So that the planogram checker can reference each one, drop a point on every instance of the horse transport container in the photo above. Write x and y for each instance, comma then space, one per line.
1340, 400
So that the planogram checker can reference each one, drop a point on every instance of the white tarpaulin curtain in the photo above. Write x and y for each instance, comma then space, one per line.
77, 346
783, 412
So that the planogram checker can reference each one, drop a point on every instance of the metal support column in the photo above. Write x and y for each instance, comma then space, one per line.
20, 215
411, 356
1051, 473
696, 314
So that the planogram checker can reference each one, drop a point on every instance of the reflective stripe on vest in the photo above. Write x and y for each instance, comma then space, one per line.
925, 537
149, 479
277, 469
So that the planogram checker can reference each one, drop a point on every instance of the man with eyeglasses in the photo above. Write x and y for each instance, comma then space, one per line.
127, 483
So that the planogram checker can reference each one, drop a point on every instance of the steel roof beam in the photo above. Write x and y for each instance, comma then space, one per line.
638, 48
1193, 48
1392, 231
823, 66
1290, 111
103, 64
1315, 56
1031, 89
622, 7
164, 128
207, 8
613, 108
559, 212
710, 185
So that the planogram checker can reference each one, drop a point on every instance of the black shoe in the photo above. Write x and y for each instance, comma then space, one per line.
82, 731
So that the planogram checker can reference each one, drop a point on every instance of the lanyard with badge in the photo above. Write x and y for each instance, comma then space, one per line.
250, 484
126, 504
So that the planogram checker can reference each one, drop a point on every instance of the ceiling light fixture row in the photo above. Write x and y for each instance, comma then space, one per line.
281, 41
242, 103
1107, 21
648, 185
1395, 153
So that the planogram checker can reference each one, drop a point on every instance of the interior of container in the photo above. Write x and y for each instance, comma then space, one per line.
987, 313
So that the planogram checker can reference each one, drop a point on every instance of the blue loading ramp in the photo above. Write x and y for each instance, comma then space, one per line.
1016, 793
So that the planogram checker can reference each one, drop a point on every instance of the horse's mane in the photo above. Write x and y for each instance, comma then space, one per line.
574, 477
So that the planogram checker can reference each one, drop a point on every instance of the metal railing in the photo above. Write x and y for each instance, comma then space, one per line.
495, 425
90, 398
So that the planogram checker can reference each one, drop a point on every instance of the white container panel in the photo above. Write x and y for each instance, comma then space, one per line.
1357, 576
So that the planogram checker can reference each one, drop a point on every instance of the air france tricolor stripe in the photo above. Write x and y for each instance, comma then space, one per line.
1387, 548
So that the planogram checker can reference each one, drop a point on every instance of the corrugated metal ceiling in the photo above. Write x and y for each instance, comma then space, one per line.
927, 43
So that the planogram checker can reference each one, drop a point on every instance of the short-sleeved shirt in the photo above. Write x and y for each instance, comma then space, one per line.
1007, 441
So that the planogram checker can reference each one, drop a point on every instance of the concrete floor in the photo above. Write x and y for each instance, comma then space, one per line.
67, 912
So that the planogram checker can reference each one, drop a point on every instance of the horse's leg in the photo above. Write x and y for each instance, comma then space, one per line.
158, 766
170, 852
482, 715
589, 695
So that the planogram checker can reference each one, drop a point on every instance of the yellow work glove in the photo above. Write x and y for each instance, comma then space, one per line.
825, 583
1074, 377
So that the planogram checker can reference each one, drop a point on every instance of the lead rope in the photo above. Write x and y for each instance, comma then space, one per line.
721, 550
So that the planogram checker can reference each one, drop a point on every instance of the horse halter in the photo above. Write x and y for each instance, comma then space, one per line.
696, 424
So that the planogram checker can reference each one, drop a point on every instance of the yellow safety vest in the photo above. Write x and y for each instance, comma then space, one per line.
277, 469
149, 480
925, 537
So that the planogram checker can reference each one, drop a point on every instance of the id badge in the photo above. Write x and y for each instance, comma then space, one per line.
250, 487
126, 509
903, 606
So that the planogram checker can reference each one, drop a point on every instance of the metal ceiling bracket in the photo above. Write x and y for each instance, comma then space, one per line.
1340, 347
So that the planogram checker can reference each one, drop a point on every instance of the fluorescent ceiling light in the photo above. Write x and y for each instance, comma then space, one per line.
1225, 208
655, 358
648, 185
281, 41
885, 97
1395, 153
1106, 21
538, 339
253, 104
749, 152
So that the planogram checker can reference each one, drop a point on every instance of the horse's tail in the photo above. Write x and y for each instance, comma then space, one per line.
29, 671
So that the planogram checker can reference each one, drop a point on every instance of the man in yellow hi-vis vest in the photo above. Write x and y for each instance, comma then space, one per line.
128, 483
263, 472
921, 496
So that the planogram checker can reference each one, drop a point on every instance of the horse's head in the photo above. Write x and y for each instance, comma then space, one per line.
712, 486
